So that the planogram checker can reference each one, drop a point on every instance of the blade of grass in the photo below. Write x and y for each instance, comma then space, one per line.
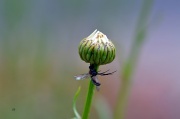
77, 116
129, 65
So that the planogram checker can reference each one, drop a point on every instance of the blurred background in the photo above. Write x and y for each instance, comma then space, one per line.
39, 56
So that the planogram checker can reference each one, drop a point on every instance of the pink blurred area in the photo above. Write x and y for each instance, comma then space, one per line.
156, 85
155, 88
155, 91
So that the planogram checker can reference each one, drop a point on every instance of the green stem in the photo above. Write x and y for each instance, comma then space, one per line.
90, 94
124, 91
130, 64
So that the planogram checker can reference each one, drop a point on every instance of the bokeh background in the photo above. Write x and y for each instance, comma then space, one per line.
39, 56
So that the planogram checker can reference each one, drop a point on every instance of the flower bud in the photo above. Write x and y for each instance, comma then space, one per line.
97, 49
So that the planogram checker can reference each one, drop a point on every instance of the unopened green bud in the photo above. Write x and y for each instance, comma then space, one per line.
97, 49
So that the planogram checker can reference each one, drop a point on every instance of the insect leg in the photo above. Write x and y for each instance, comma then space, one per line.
103, 73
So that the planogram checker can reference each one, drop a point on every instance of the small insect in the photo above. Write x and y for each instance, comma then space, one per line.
93, 74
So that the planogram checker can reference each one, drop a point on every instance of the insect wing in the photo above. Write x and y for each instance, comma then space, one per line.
97, 88
82, 76
96, 82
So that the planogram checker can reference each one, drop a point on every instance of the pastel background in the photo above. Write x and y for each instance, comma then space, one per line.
39, 56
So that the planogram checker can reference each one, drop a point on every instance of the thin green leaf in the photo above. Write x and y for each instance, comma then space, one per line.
77, 116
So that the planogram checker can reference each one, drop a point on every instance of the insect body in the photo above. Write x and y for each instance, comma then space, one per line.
93, 74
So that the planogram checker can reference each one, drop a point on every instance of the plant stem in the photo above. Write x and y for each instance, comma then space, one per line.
130, 64
90, 94
124, 91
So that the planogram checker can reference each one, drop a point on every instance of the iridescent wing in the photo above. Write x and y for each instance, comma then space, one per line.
82, 76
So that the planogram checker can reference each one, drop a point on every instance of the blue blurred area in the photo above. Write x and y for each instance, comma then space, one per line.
39, 56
